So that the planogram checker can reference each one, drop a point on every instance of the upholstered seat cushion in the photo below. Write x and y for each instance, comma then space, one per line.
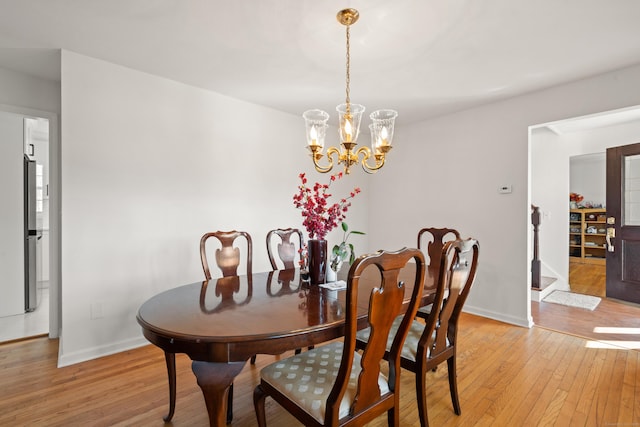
307, 379
426, 310
410, 347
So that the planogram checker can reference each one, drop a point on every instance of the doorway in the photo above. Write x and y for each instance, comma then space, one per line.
552, 147
26, 139
587, 188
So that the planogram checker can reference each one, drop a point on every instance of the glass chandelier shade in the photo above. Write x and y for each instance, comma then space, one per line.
382, 130
316, 123
349, 117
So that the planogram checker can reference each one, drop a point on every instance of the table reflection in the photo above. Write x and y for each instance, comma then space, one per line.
311, 304
225, 289
320, 305
288, 282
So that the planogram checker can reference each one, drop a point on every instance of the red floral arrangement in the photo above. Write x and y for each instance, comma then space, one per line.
319, 216
575, 197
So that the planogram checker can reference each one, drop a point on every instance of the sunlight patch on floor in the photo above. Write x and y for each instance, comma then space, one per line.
614, 330
616, 345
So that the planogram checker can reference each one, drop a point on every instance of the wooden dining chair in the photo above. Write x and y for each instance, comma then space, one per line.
228, 260
430, 343
334, 384
435, 238
286, 249
227, 256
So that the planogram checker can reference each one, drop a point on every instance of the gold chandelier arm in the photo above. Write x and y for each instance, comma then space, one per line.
365, 165
330, 152
316, 155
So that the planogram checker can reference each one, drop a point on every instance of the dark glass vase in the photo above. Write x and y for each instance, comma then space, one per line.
317, 257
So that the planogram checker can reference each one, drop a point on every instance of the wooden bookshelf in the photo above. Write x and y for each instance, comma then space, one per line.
587, 233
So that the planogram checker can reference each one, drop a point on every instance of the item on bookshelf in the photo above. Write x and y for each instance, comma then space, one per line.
591, 205
575, 197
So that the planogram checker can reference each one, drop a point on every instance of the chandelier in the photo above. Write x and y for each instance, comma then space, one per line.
349, 125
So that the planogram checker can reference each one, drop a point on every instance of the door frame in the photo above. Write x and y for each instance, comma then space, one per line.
55, 309
557, 141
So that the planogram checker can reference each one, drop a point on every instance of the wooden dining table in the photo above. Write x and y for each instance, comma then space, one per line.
226, 321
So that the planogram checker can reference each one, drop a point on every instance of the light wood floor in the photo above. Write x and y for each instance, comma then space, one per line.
613, 322
588, 279
508, 376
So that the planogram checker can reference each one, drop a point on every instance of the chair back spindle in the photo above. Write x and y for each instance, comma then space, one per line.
287, 249
437, 238
227, 256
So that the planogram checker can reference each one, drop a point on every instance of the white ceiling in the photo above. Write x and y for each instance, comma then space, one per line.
422, 57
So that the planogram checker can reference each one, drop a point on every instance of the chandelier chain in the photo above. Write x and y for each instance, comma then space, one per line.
348, 99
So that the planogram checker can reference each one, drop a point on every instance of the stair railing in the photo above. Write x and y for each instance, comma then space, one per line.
536, 275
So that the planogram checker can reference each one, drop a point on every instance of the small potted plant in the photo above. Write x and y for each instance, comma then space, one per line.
342, 252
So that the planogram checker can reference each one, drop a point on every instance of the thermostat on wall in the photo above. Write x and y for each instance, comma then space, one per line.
505, 189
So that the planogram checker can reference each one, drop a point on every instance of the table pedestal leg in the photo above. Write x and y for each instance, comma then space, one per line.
215, 380
170, 358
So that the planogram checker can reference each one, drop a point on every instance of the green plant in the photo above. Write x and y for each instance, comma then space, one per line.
344, 250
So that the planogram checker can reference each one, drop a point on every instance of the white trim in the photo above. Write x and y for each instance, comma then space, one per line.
67, 359
525, 323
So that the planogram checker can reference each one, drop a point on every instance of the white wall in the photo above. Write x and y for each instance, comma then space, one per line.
21, 90
450, 170
588, 177
550, 172
148, 166
598, 140
11, 211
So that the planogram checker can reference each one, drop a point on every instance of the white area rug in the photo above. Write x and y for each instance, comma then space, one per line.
573, 300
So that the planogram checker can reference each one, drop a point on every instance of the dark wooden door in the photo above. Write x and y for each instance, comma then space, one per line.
623, 223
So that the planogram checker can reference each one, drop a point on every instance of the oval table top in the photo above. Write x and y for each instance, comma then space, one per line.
231, 318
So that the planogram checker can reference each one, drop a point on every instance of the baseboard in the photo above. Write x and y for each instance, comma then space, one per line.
68, 359
517, 321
